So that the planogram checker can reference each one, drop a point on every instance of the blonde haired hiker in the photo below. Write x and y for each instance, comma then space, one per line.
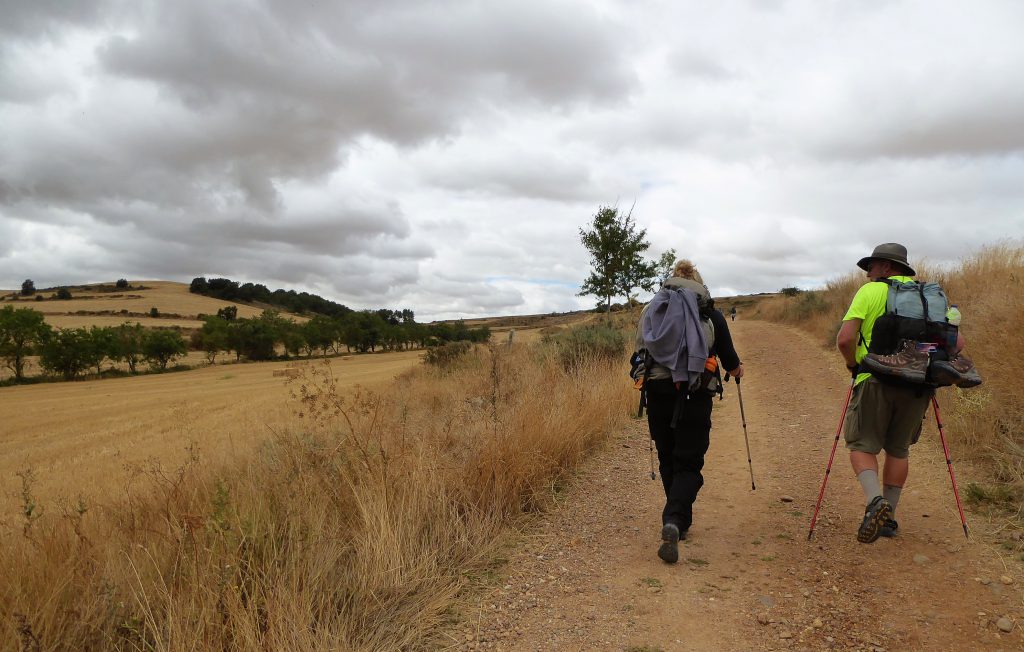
680, 338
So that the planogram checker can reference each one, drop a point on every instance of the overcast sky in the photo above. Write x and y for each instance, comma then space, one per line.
442, 155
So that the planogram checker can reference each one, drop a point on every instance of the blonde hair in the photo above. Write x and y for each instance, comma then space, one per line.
686, 269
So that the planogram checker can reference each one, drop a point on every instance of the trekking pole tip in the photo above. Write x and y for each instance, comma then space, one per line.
752, 487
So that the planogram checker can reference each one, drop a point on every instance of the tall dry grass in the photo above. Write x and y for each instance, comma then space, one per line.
989, 289
353, 530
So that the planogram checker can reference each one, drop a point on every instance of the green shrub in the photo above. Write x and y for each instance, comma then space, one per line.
578, 345
447, 355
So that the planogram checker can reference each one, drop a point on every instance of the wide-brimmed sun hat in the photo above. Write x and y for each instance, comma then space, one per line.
891, 251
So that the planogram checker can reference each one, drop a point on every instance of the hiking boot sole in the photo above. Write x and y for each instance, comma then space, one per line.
969, 379
871, 527
944, 374
889, 530
669, 549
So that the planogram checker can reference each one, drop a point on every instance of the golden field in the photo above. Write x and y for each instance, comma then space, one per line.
167, 297
114, 491
309, 516
78, 437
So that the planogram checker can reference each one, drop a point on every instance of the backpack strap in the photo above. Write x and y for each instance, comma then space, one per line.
924, 301
890, 298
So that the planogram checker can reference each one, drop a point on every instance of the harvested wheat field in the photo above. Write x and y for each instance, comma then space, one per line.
133, 304
78, 437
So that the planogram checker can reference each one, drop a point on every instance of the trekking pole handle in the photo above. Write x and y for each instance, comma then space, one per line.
727, 378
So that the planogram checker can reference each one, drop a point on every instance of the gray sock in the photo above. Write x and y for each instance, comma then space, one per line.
892, 494
868, 479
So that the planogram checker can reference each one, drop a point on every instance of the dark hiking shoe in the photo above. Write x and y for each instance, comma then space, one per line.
907, 363
959, 371
669, 550
877, 513
889, 530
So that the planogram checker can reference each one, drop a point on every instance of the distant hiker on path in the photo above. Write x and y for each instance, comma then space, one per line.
678, 338
887, 407
732, 313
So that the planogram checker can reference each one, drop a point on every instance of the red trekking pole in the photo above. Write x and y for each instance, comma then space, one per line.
828, 469
949, 465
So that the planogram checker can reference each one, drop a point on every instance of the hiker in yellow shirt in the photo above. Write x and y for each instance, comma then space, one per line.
885, 413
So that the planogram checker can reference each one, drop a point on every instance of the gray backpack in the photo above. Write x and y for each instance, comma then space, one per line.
914, 310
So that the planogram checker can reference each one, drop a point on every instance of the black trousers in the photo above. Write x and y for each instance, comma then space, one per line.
681, 449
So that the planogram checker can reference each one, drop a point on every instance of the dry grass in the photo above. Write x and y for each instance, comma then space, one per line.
989, 288
353, 529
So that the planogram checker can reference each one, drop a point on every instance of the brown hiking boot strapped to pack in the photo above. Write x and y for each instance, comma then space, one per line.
959, 371
907, 363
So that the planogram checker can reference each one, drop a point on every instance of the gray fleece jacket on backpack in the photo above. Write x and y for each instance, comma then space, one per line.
672, 331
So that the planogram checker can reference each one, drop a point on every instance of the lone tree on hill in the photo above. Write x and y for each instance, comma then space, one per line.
28, 288
617, 264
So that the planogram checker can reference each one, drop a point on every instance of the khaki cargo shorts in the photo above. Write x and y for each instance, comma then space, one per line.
885, 417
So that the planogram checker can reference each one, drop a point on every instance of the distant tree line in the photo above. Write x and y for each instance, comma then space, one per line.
287, 300
72, 352
260, 338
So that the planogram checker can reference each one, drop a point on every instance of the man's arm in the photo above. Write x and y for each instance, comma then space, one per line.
846, 341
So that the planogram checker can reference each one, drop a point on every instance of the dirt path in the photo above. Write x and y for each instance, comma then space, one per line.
588, 578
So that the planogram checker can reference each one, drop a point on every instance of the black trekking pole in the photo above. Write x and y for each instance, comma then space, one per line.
650, 442
743, 418
828, 469
949, 465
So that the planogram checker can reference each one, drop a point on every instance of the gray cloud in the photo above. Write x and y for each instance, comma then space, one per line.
30, 20
442, 156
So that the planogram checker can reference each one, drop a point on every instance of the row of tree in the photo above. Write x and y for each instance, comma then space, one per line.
617, 262
259, 338
70, 352
287, 300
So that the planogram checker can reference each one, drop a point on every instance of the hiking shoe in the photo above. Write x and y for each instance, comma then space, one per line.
877, 513
959, 371
669, 550
969, 374
907, 363
889, 529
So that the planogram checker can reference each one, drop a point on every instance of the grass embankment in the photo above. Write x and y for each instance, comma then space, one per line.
353, 530
988, 421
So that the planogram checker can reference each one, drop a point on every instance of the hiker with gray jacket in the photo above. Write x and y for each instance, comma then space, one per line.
683, 336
